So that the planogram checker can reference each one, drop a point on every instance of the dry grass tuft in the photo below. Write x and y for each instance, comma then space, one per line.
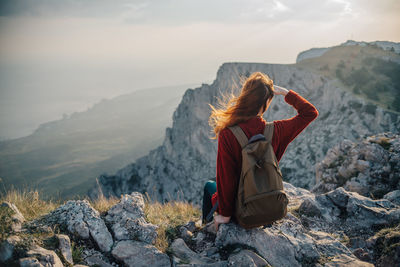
29, 203
103, 204
169, 216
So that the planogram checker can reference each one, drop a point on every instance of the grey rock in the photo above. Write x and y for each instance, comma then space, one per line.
210, 228
393, 196
45, 257
190, 226
29, 262
270, 245
93, 257
363, 212
137, 229
295, 194
351, 211
131, 206
215, 264
17, 217
203, 241
7, 247
362, 254
369, 166
97, 260
287, 237
127, 220
310, 208
210, 251
185, 233
64, 244
136, 253
80, 218
183, 252
200, 236
247, 258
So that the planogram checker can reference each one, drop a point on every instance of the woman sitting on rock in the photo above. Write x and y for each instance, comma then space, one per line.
246, 110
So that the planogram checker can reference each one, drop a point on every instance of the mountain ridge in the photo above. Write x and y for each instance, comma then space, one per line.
65, 156
187, 157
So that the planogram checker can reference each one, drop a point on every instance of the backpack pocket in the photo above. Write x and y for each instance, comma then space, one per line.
263, 209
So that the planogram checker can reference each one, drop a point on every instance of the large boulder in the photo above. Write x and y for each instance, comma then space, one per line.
311, 234
285, 244
44, 257
370, 166
82, 220
354, 213
329, 229
128, 222
139, 254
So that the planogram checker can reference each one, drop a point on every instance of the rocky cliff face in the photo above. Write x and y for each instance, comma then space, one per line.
187, 159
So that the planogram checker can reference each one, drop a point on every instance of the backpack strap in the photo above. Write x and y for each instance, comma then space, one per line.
269, 131
240, 135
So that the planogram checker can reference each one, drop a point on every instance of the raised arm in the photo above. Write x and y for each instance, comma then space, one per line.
287, 130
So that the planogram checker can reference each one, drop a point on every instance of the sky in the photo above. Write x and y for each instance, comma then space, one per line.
58, 57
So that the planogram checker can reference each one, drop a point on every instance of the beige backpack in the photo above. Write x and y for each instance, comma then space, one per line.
260, 198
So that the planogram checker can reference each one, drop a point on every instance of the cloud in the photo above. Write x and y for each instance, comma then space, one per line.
191, 11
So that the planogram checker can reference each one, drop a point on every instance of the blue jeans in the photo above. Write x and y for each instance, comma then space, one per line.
209, 189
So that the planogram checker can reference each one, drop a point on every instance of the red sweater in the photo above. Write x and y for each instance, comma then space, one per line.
229, 156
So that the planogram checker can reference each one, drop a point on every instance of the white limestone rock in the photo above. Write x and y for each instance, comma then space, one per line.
81, 219
64, 244
45, 257
139, 254
128, 222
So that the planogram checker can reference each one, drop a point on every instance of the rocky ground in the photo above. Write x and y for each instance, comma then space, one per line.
336, 228
370, 167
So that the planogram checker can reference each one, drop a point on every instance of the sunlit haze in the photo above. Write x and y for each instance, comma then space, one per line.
58, 57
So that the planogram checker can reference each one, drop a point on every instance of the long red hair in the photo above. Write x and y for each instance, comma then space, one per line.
255, 92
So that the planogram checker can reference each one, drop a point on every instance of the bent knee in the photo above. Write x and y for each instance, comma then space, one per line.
210, 185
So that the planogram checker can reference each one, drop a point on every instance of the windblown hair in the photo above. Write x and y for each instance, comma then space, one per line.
255, 92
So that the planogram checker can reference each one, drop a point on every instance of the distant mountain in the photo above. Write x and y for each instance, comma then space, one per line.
64, 157
369, 70
187, 159
317, 52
